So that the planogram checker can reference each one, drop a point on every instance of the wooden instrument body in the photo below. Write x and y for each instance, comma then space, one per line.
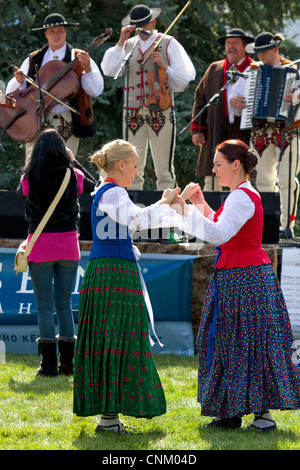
160, 99
26, 126
23, 116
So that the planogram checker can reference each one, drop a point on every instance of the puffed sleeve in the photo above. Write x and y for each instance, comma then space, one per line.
117, 204
238, 208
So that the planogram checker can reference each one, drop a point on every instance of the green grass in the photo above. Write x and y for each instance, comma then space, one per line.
36, 414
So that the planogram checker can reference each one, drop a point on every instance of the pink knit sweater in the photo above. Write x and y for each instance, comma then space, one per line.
55, 246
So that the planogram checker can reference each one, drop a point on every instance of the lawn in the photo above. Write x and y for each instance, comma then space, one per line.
36, 414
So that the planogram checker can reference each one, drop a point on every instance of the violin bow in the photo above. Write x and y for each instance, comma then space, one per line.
156, 44
32, 82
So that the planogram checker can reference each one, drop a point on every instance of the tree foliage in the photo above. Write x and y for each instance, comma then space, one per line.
197, 30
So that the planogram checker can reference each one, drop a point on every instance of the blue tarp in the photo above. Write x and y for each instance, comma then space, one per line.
168, 279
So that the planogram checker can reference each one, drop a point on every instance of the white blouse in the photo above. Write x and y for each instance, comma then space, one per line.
238, 209
117, 204
180, 71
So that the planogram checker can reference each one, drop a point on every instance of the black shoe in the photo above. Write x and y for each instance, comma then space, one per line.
47, 351
269, 427
117, 428
66, 350
228, 423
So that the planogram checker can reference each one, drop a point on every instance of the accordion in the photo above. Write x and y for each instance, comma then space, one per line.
264, 92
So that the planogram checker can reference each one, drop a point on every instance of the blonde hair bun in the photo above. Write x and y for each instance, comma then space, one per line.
99, 158
111, 152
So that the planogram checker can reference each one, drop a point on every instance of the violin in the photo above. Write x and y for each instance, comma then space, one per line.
160, 99
20, 116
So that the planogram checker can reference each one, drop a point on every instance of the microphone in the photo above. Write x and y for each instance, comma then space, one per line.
237, 74
143, 31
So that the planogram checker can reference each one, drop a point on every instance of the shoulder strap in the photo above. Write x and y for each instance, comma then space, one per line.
101, 190
49, 212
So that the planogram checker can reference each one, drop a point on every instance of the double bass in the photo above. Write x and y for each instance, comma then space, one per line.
23, 115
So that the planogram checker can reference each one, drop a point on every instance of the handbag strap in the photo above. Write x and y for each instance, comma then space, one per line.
49, 212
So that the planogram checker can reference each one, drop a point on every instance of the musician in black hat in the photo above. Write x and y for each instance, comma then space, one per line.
144, 122
69, 125
228, 110
267, 137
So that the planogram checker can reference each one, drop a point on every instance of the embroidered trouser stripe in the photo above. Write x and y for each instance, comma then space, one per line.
159, 131
270, 173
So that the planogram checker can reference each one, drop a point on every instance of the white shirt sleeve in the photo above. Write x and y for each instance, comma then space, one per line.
92, 82
112, 60
238, 208
181, 70
13, 84
116, 203
236, 89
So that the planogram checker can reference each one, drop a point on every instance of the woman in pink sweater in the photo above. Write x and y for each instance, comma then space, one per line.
54, 258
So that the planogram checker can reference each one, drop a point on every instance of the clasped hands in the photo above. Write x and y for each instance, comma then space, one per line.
176, 199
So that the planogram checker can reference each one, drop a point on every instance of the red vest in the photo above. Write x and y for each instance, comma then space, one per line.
244, 249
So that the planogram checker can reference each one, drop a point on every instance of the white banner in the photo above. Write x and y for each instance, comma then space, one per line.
290, 285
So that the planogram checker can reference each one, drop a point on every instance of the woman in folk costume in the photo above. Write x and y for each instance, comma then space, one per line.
114, 370
245, 339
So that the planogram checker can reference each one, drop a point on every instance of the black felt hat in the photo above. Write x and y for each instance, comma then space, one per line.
55, 19
266, 41
140, 15
235, 33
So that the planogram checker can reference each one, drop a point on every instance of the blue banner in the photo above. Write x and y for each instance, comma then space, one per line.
168, 279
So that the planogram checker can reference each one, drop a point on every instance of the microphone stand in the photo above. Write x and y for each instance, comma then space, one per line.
214, 100
125, 64
289, 124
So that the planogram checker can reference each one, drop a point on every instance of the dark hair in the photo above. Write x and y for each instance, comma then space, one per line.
46, 169
48, 152
238, 150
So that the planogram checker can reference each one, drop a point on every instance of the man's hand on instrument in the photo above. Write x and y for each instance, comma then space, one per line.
18, 74
156, 57
125, 34
238, 102
84, 59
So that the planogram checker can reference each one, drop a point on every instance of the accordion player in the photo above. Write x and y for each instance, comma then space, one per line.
265, 90
273, 136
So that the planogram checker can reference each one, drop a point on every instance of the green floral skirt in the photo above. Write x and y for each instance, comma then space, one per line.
114, 371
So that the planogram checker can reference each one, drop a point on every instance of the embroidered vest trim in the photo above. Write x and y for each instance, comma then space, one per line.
139, 89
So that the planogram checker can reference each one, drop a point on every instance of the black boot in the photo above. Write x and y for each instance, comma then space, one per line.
47, 351
66, 350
